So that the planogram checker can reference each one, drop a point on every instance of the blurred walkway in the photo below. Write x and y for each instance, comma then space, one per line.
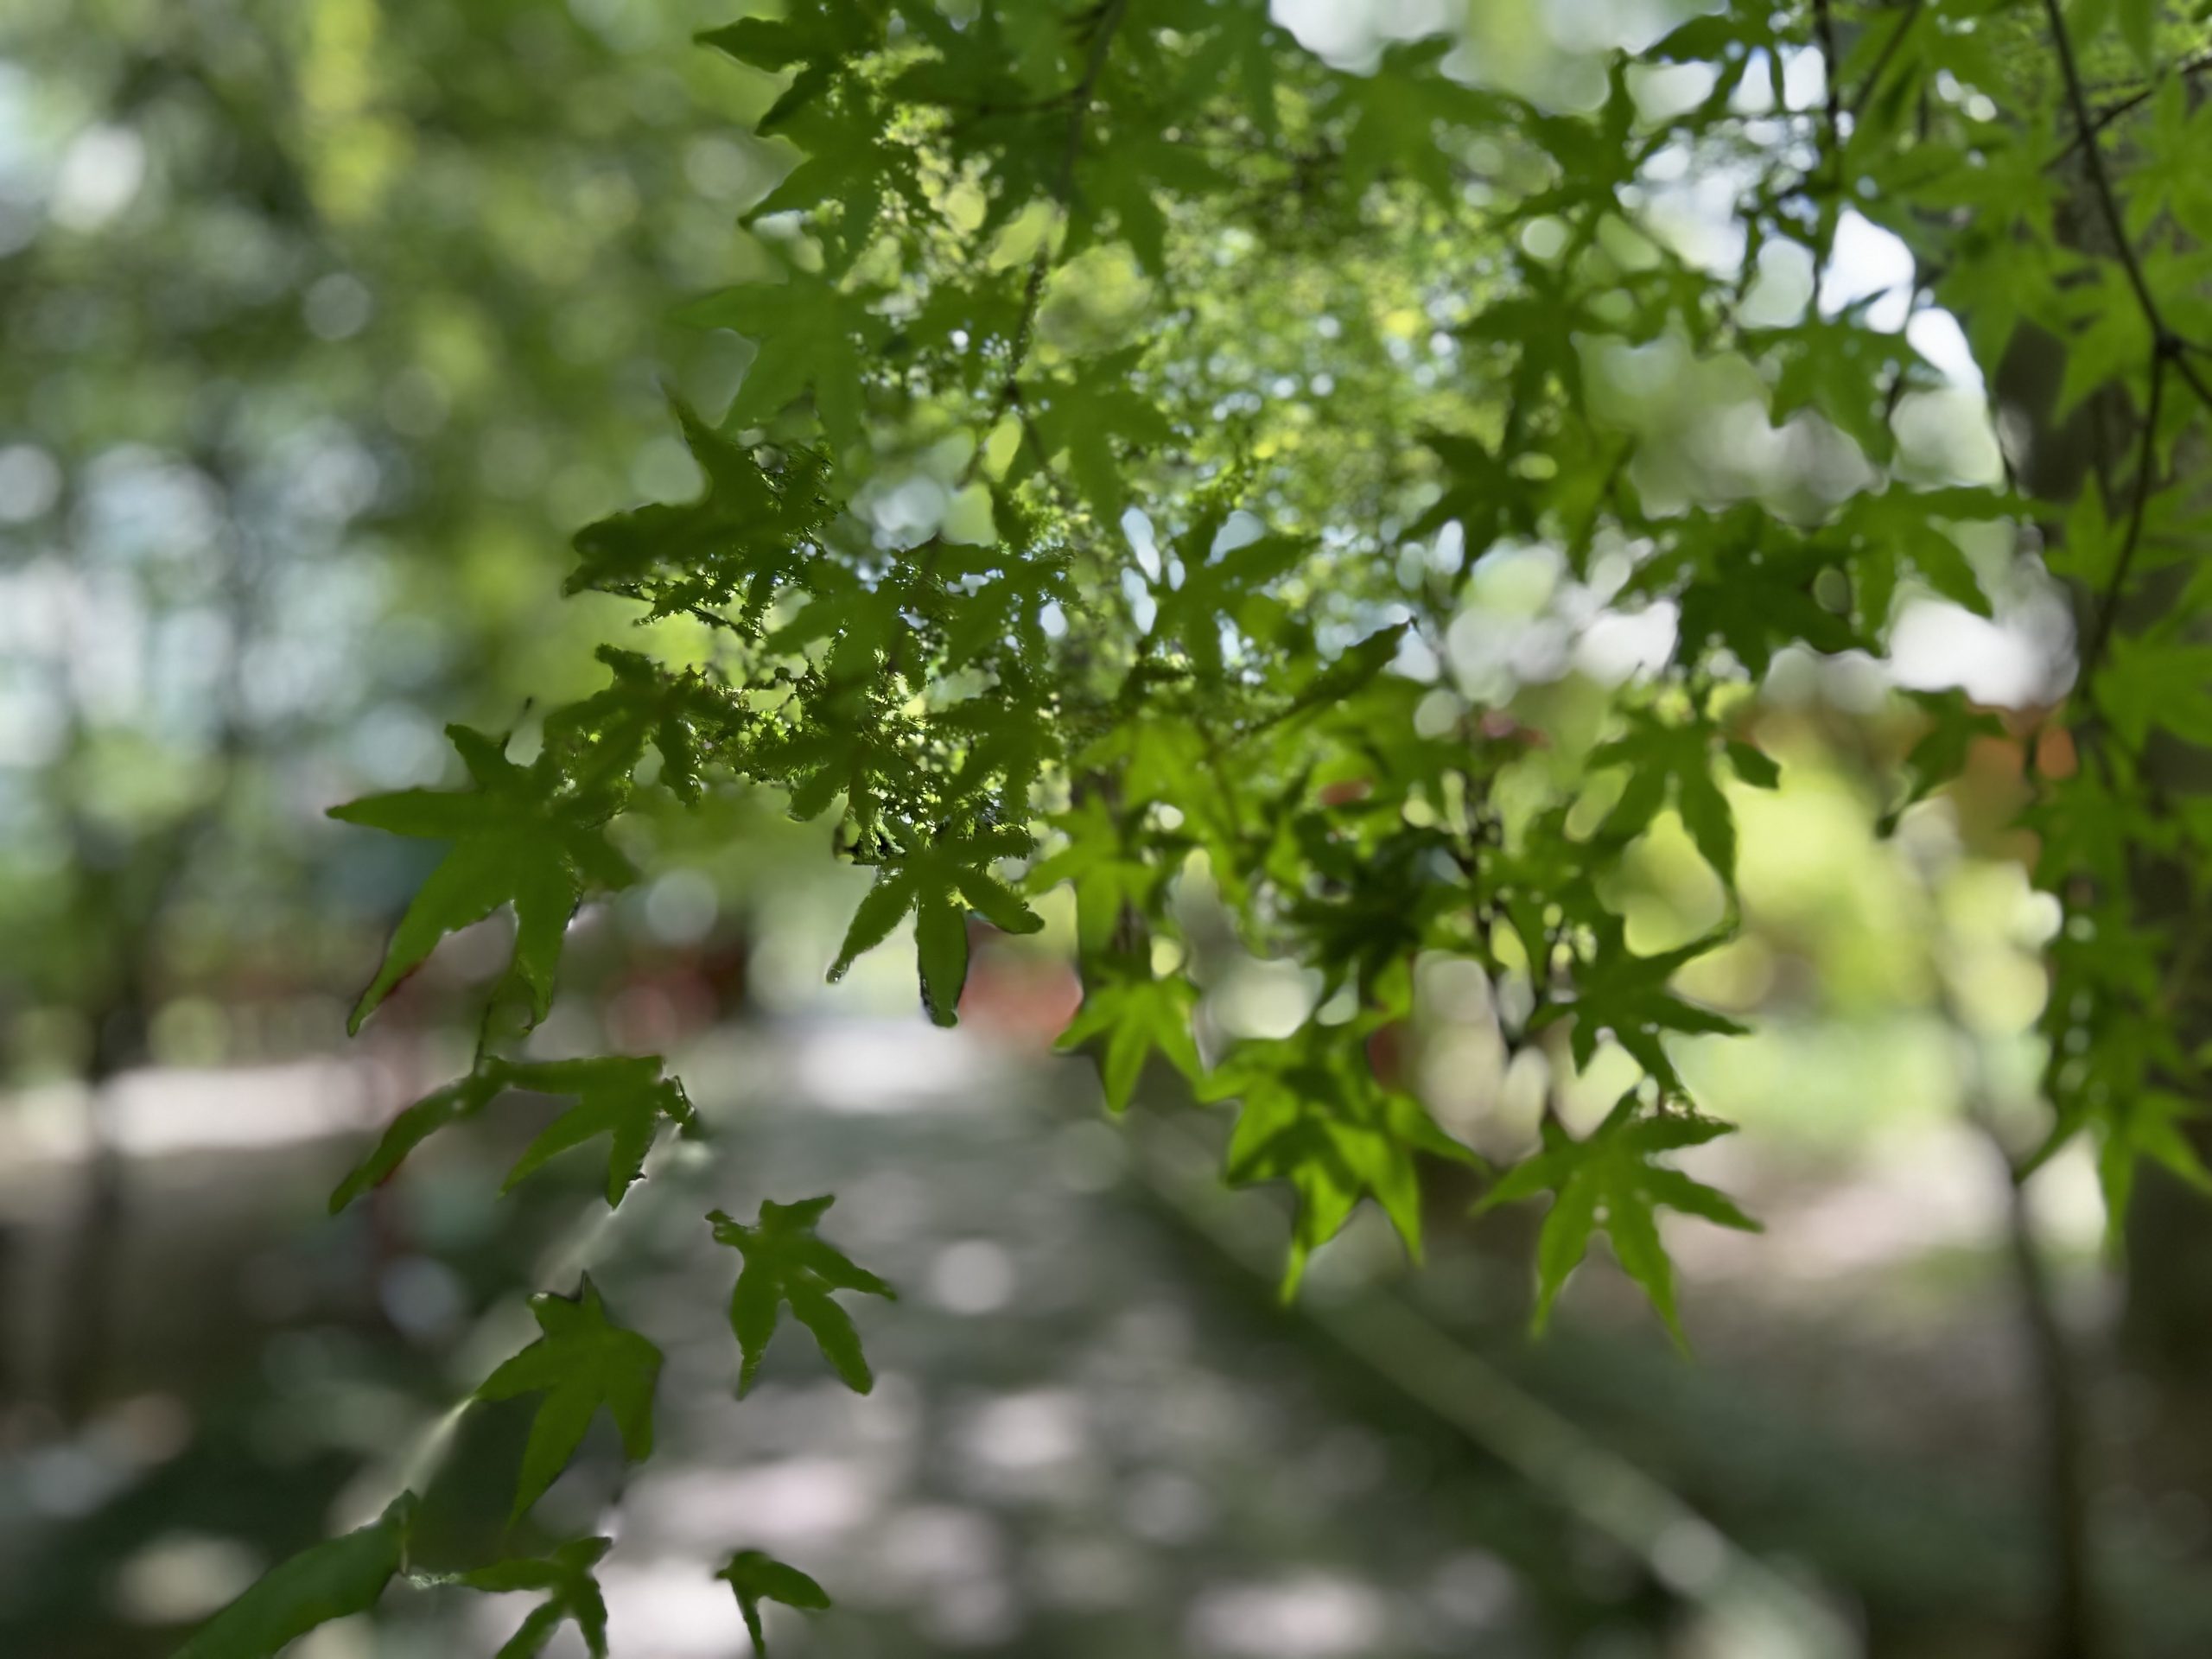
1094, 1433
1076, 1446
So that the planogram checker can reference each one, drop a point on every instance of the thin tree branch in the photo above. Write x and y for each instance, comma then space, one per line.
2145, 470
2093, 160
1831, 79
1872, 84
2121, 107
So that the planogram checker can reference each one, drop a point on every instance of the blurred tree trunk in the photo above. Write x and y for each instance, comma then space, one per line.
2166, 1327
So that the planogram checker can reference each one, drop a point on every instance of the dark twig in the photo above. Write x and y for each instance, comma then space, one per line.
2121, 107
1872, 84
1831, 76
2100, 180
2145, 472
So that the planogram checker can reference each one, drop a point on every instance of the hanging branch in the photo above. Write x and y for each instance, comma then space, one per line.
2166, 344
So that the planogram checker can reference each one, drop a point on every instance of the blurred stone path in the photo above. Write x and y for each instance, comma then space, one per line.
1079, 1444
1093, 1435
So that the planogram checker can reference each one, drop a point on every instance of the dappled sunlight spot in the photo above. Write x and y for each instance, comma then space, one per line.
1866, 263
949, 1565
181, 1577
1948, 436
886, 1067
1829, 1087
1461, 1074
664, 1609
1689, 1555
1167, 1508
1150, 1332
422, 1297
1352, 34
1090, 1157
975, 1613
2067, 1201
1916, 1190
71, 1480
1736, 977
795, 1501
98, 177
1262, 999
1087, 1575
1622, 645
1030, 1445
923, 1547
1308, 1615
1588, 1094
160, 1112
974, 1276
1185, 1418
1474, 1590
1666, 892
344, 1638
2009, 663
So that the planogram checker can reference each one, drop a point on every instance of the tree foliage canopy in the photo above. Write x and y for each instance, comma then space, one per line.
1137, 400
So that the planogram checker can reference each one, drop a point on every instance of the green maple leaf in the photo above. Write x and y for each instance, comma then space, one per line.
624, 1098
1374, 904
675, 713
1137, 1015
1626, 995
786, 1263
521, 837
752, 532
811, 335
1130, 176
1481, 492
1669, 760
846, 162
1910, 522
1002, 747
2157, 681
2147, 1123
1839, 367
1108, 874
455, 1103
1218, 587
1399, 112
1310, 1112
1750, 586
1610, 1180
571, 1594
1939, 753
816, 38
1082, 415
583, 1361
938, 882
330, 1580
757, 1578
